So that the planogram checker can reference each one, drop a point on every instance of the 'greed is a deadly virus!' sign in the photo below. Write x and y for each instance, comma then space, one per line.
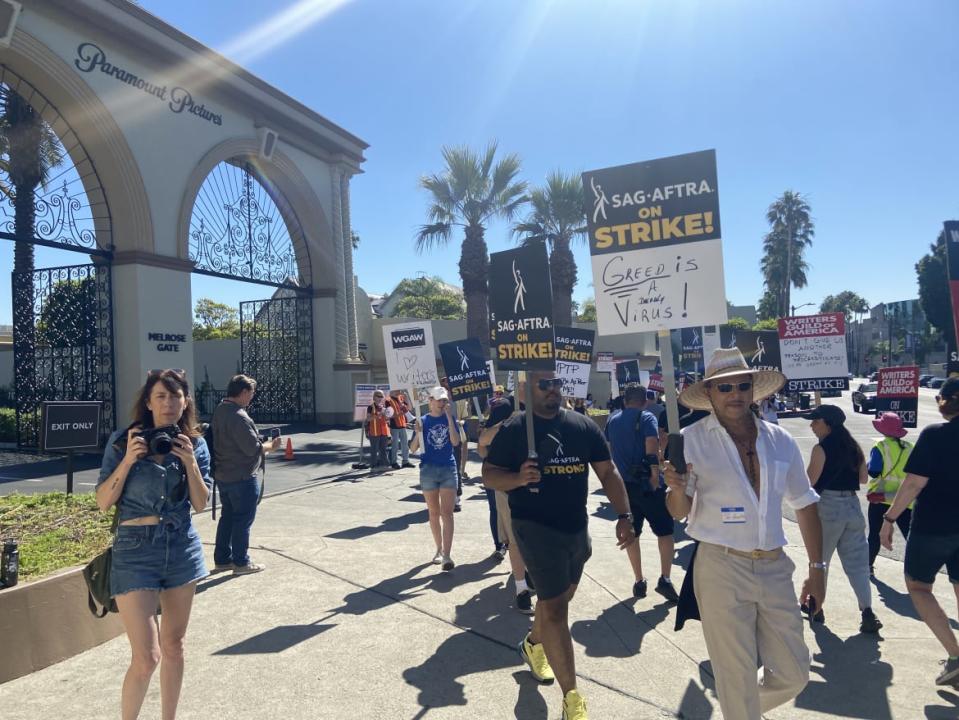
467, 371
898, 392
654, 238
521, 309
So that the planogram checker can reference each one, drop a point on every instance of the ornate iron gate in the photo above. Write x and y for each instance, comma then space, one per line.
63, 342
276, 349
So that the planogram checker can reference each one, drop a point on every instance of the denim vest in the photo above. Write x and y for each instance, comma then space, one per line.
155, 489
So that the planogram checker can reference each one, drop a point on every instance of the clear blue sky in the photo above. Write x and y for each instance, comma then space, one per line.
853, 104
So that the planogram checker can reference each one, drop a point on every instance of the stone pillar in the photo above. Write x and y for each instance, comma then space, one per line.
342, 338
152, 322
349, 278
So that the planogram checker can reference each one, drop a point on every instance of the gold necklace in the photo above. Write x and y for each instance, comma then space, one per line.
747, 455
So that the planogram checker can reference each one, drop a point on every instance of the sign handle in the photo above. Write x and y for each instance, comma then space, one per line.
530, 435
669, 381
477, 408
70, 472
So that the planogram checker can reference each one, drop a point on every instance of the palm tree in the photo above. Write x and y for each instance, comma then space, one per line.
792, 232
557, 218
29, 150
470, 191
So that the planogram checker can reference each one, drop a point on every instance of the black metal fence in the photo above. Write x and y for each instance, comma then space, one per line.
63, 343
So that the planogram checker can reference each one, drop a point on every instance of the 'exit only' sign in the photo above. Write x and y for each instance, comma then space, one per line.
71, 425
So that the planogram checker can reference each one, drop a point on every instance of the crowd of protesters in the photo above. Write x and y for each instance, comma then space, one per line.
740, 467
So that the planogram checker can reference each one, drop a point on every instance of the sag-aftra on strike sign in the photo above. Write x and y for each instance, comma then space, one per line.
521, 309
654, 237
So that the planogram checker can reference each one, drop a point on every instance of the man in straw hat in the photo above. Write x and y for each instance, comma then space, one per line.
740, 469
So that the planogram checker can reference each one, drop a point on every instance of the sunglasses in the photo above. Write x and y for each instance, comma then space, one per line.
179, 372
545, 384
729, 387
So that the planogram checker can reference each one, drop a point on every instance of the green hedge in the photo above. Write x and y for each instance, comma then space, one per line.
8, 425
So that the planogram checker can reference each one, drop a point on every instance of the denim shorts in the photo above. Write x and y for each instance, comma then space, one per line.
155, 557
926, 554
437, 477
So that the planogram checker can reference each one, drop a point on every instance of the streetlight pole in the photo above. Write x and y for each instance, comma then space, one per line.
794, 308
789, 259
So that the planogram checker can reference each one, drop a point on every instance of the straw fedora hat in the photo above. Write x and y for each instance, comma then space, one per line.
724, 363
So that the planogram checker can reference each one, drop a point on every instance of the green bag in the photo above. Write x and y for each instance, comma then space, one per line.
97, 577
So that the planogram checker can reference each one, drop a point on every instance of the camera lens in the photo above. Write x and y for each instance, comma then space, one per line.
161, 444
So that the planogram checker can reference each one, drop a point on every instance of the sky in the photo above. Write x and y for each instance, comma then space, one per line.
853, 104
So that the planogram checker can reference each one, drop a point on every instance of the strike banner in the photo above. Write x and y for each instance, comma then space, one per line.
363, 398
574, 359
605, 362
655, 242
898, 392
521, 309
813, 351
466, 369
410, 358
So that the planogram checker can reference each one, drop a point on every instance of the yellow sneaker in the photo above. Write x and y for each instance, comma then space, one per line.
535, 657
574, 706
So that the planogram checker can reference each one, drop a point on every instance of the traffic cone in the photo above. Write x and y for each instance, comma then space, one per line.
288, 455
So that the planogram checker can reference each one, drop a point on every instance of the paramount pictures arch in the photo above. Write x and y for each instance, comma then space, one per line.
175, 161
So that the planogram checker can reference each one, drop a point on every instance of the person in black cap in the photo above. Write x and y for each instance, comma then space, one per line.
932, 480
836, 469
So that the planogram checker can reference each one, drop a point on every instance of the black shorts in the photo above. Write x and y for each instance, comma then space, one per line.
926, 554
650, 506
554, 559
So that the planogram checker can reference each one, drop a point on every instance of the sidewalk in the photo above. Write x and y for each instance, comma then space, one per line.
351, 621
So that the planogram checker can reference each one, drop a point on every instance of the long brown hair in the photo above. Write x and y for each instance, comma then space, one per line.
174, 381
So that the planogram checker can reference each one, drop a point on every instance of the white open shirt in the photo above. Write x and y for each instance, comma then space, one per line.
725, 510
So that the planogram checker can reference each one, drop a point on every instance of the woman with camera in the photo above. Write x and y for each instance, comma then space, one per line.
154, 471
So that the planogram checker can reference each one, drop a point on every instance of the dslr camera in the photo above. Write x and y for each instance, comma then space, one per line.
158, 439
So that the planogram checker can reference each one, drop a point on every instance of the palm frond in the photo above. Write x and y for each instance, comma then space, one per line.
432, 236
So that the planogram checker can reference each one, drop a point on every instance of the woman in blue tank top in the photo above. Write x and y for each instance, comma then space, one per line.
438, 435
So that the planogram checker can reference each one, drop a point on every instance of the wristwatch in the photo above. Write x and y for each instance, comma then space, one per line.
891, 521
817, 565
625, 516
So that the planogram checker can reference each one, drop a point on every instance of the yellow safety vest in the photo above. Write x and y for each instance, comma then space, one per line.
894, 460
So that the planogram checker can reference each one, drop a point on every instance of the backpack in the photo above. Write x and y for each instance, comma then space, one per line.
208, 437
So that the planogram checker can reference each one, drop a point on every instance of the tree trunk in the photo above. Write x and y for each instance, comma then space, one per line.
24, 137
474, 272
562, 276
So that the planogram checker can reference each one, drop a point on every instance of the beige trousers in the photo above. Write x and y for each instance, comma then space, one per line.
750, 619
504, 519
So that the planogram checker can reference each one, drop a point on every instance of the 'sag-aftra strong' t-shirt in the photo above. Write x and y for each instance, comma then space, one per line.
559, 499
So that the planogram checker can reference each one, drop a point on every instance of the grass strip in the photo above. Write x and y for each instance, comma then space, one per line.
54, 530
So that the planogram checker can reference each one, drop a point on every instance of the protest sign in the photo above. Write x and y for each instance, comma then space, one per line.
605, 362
521, 309
691, 342
363, 398
654, 238
574, 358
951, 231
898, 392
510, 381
655, 382
410, 358
491, 371
466, 370
813, 350
627, 374
759, 347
